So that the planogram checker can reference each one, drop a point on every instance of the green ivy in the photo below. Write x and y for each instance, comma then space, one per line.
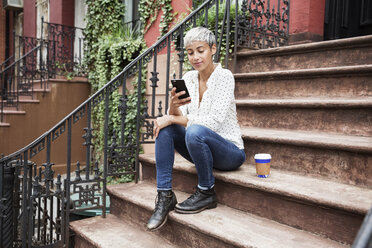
149, 11
110, 46
103, 17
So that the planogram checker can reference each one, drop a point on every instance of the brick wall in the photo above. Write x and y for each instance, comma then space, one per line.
306, 23
2, 32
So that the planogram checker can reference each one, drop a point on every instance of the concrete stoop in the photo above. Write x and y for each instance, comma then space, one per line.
333, 53
331, 209
310, 107
348, 116
113, 232
220, 227
341, 158
284, 210
345, 81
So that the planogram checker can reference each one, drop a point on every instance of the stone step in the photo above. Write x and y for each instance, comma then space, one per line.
21, 101
25, 99
9, 112
4, 124
346, 81
13, 112
342, 52
112, 232
219, 227
341, 158
315, 205
351, 116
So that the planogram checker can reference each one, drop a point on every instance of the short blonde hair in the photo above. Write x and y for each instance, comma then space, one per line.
199, 34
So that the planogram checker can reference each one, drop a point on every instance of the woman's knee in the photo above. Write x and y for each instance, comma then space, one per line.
195, 133
170, 130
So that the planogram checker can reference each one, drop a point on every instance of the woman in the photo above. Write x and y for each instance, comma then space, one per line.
203, 128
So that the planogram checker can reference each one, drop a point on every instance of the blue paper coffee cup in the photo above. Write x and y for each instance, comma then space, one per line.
263, 161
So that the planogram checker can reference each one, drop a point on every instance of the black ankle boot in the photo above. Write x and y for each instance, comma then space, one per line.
165, 202
197, 202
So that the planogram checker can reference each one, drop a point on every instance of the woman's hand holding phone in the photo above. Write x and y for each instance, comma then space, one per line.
176, 102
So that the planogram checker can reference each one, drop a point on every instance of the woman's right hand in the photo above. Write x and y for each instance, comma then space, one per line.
175, 101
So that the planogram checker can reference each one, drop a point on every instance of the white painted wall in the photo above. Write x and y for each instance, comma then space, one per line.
80, 12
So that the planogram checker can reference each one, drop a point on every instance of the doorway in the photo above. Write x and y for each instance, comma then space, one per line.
347, 18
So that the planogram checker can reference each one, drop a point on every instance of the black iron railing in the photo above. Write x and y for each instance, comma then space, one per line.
6, 63
364, 236
60, 52
65, 49
35, 210
18, 79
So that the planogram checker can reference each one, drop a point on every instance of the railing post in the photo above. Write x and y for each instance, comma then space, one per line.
14, 45
41, 55
105, 155
66, 203
24, 203
227, 34
138, 125
235, 34
2, 92
6, 207
181, 54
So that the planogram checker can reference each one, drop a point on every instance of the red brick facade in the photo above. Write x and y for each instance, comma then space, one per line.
2, 32
306, 20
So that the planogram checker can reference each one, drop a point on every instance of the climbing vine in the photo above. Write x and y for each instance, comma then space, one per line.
110, 46
149, 12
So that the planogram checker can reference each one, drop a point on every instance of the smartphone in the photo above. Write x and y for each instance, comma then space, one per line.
180, 86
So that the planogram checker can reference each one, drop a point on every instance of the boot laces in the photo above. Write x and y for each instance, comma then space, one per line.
195, 195
159, 200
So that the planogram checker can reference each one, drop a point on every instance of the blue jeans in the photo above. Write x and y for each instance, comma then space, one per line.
199, 145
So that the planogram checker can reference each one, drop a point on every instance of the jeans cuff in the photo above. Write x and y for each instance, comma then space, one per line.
164, 189
205, 188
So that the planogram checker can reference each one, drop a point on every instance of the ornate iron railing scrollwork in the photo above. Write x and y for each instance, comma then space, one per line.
263, 24
65, 50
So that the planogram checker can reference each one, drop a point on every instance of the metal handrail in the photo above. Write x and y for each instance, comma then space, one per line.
5, 62
364, 236
3, 75
21, 58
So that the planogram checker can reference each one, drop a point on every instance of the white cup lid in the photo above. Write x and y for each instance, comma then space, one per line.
262, 156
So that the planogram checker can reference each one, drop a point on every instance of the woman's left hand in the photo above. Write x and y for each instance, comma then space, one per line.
162, 122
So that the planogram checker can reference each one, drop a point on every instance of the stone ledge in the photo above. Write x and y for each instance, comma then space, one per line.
23, 100
307, 102
112, 232
357, 144
14, 112
309, 189
356, 70
356, 42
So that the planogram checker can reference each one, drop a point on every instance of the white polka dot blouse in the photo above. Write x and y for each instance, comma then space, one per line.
217, 110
